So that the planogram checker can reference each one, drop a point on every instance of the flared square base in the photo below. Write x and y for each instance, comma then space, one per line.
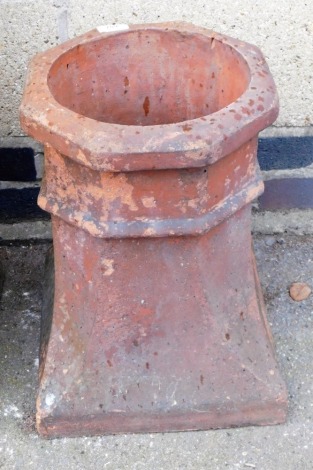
155, 335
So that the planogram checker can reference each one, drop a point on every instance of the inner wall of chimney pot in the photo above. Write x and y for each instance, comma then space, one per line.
148, 77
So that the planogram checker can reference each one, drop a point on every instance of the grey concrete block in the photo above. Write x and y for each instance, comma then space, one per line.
1, 278
292, 222
26, 27
20, 142
38, 230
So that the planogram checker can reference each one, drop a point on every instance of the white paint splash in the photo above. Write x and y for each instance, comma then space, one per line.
109, 28
12, 410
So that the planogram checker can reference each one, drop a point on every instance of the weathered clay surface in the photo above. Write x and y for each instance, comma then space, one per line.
157, 334
157, 322
186, 201
243, 97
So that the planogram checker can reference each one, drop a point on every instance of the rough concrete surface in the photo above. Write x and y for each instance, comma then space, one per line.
283, 30
1, 279
281, 261
26, 27
34, 230
298, 222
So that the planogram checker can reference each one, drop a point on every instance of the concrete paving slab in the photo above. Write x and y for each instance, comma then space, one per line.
281, 260
1, 279
298, 222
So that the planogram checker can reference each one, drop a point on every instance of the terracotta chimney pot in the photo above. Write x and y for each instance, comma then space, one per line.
154, 318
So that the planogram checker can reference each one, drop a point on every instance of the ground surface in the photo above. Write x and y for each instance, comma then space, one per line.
281, 261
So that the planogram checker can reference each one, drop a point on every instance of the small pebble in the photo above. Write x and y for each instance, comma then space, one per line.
270, 241
299, 291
